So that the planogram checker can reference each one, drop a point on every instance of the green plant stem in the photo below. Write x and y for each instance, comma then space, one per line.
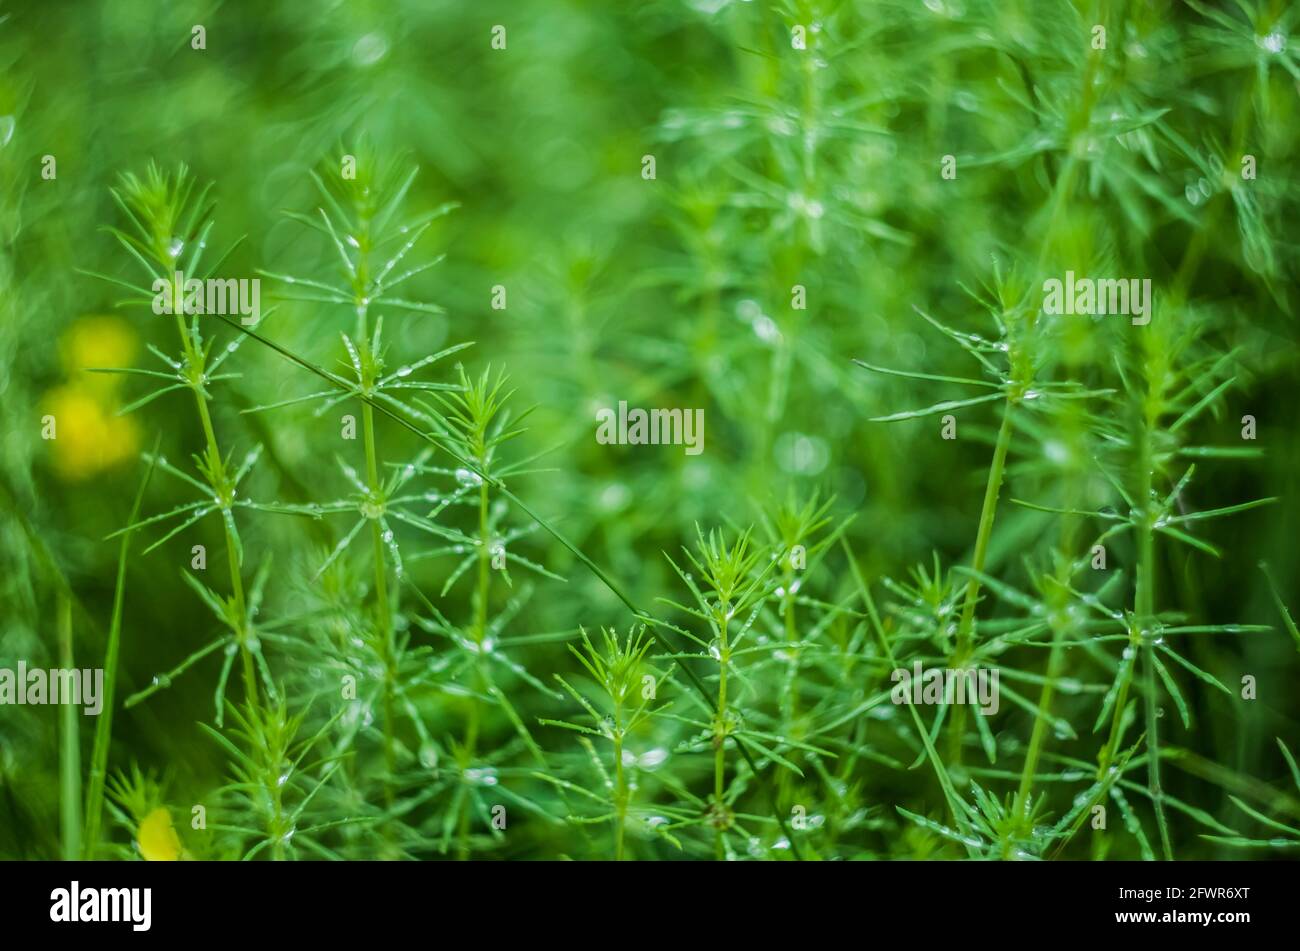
1144, 606
720, 732
484, 563
69, 745
382, 611
965, 630
1039, 733
790, 692
1055, 661
1060, 623
217, 469
621, 792
468, 751
480, 634
277, 831
104, 725
1117, 718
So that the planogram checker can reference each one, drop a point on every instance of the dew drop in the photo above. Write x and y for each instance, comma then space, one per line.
652, 758
486, 776
765, 329
369, 49
1274, 42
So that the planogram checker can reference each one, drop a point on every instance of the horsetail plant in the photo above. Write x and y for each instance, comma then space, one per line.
1020, 344
626, 688
170, 227
456, 637
475, 421
359, 217
733, 584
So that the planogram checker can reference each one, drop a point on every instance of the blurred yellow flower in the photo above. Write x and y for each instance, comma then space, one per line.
156, 838
89, 437
98, 341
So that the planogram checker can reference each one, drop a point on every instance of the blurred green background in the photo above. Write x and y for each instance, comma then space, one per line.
774, 168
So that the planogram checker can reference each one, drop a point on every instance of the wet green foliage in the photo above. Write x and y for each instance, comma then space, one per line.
366, 584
